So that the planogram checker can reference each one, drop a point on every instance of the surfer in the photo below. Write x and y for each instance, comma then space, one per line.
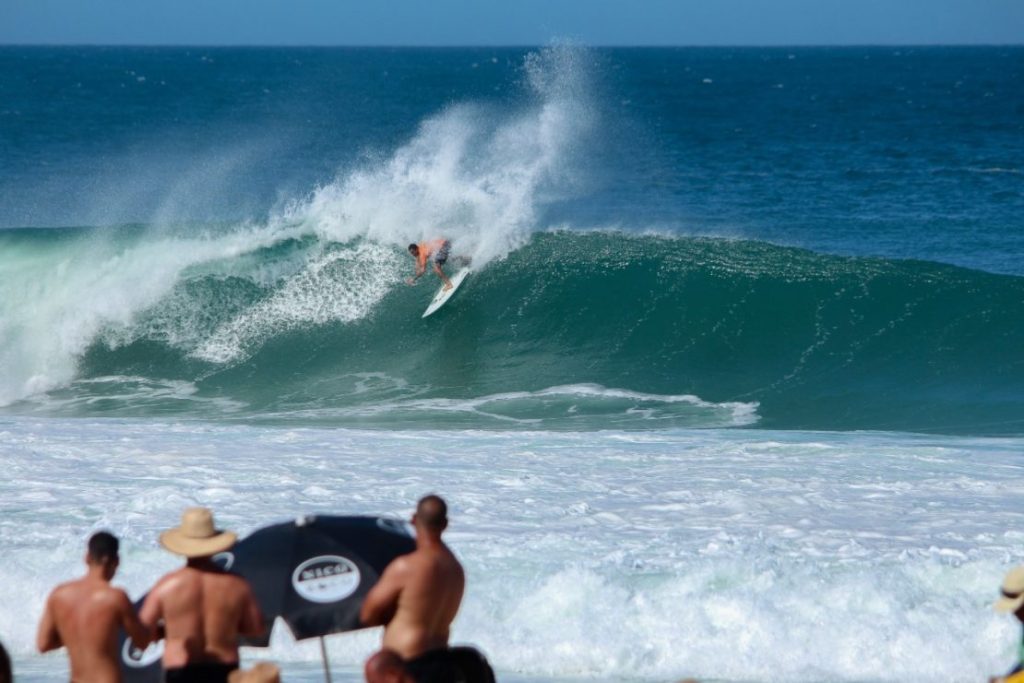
85, 615
415, 601
438, 249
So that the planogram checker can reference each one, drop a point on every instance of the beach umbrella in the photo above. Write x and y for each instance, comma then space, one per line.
313, 573
138, 665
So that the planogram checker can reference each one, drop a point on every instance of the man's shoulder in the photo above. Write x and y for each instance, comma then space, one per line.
172, 579
117, 593
111, 596
226, 580
80, 590
65, 591
439, 556
448, 557
404, 562
75, 588
402, 566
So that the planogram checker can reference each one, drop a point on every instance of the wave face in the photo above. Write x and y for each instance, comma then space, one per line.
209, 303
573, 330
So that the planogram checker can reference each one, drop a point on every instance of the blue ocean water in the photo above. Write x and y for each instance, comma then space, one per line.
807, 205
741, 321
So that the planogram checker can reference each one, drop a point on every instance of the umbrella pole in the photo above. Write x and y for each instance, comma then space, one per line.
323, 654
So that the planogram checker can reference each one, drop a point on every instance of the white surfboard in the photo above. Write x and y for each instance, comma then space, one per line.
442, 296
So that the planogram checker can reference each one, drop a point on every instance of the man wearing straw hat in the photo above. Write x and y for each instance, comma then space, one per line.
204, 609
1012, 601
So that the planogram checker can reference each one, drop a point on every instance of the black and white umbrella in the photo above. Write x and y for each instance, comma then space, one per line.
312, 573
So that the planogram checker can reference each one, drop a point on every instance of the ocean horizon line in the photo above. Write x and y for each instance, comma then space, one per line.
516, 46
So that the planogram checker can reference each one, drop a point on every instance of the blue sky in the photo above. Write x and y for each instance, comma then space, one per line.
511, 22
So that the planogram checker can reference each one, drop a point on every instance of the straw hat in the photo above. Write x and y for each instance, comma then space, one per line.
261, 672
1013, 591
197, 536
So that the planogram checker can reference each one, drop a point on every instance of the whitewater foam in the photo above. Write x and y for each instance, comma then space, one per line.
628, 556
337, 286
578, 406
474, 173
58, 299
132, 394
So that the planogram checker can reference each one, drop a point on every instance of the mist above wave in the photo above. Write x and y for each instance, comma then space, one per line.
473, 173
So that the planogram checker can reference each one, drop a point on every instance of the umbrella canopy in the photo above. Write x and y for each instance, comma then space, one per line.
140, 666
313, 573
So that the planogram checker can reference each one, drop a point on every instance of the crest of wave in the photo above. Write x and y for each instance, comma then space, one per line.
476, 174
55, 304
473, 173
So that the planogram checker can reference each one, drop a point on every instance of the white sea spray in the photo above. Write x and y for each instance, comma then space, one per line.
629, 556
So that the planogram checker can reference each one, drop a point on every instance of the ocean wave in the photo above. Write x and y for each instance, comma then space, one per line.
476, 173
582, 406
816, 341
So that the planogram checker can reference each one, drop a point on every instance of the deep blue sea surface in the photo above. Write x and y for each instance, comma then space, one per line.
832, 238
735, 389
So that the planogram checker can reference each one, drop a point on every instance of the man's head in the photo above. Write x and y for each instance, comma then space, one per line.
431, 514
102, 552
414, 249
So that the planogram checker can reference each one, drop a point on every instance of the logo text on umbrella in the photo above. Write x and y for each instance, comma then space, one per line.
326, 578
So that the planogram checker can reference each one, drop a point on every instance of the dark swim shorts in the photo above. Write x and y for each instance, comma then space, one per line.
441, 255
199, 673
454, 665
432, 667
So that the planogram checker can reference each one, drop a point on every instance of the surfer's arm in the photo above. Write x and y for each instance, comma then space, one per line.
421, 267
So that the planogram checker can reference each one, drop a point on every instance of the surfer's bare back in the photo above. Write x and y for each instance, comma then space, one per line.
438, 249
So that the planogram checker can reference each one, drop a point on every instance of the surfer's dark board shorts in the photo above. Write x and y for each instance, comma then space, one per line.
199, 673
441, 255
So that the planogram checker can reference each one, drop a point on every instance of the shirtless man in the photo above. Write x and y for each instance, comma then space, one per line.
84, 616
204, 610
439, 249
416, 600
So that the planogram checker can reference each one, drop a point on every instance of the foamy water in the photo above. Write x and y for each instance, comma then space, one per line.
728, 555
262, 282
472, 173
